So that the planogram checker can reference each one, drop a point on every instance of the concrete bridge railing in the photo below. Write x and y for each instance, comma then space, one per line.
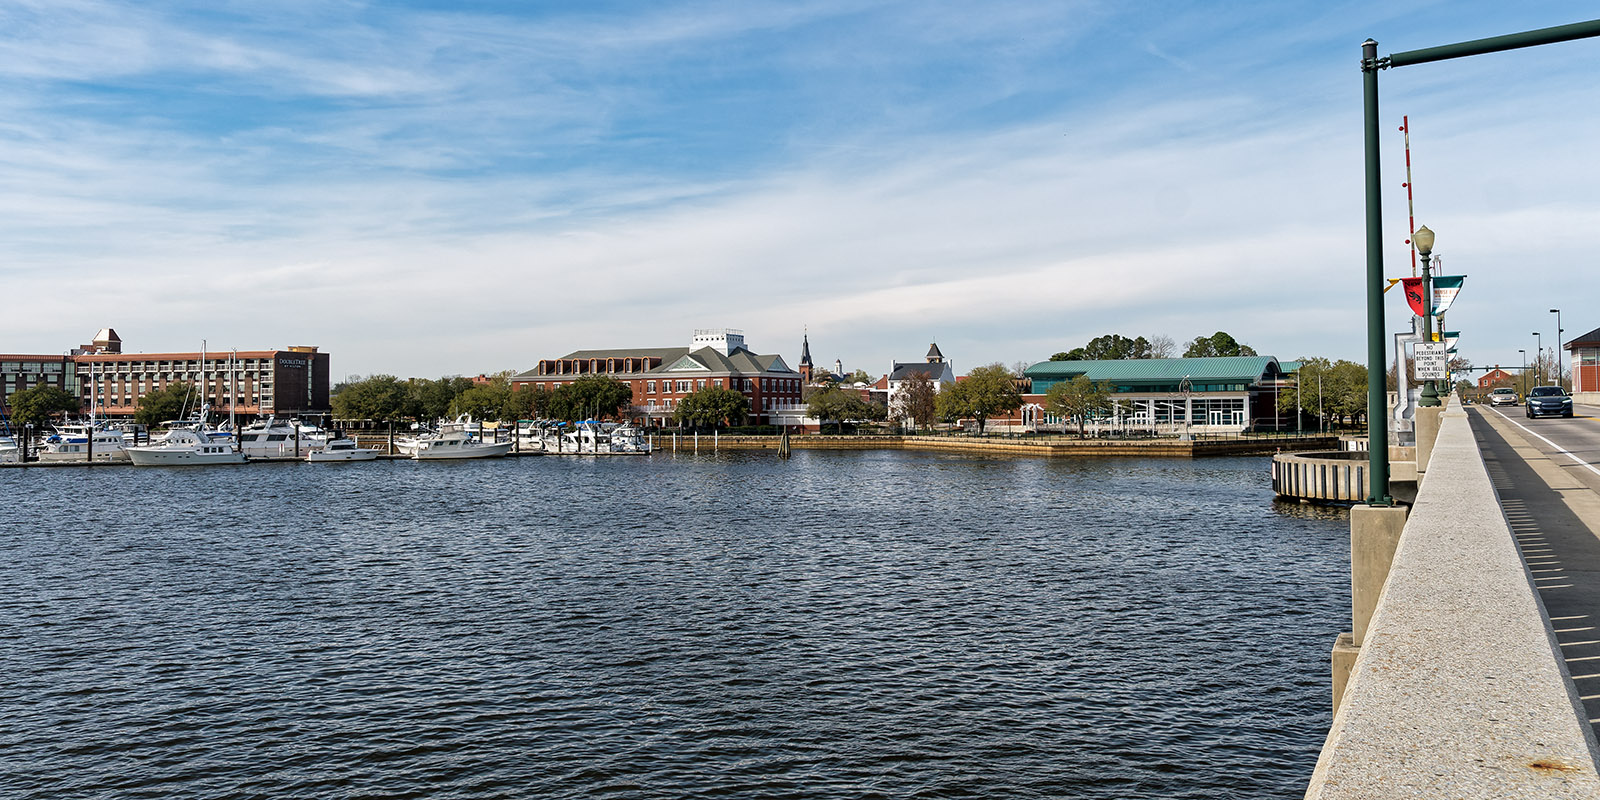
1456, 685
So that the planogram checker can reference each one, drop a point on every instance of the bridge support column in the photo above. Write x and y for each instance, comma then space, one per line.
1374, 536
1427, 423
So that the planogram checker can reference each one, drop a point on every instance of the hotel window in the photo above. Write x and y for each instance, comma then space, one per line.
700, 384
683, 386
650, 386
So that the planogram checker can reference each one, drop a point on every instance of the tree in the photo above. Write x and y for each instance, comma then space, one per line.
1217, 345
1163, 347
860, 376
595, 396
529, 401
431, 399
1344, 390
1078, 399
381, 398
484, 401
712, 405
917, 400
37, 405
1110, 347
985, 392
163, 404
841, 405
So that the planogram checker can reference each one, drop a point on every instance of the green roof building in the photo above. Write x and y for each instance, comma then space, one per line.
1228, 394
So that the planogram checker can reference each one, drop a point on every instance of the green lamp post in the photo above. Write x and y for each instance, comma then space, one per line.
1423, 239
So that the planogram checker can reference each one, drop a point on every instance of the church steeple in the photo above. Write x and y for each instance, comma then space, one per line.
805, 356
934, 356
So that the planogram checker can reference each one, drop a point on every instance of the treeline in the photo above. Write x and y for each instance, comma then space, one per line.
385, 398
1115, 347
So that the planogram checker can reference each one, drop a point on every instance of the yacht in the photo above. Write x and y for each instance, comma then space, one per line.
196, 444
186, 447
591, 437
84, 443
453, 442
273, 437
342, 450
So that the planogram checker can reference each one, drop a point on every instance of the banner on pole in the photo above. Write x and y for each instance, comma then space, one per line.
1414, 294
1445, 289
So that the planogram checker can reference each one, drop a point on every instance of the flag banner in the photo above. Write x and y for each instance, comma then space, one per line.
1414, 294
1392, 282
1450, 338
1445, 289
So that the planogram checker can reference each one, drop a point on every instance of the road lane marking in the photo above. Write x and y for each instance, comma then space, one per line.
1562, 450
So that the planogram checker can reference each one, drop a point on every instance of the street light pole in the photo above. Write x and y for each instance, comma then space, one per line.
1538, 358
1423, 239
1377, 370
1559, 330
1522, 377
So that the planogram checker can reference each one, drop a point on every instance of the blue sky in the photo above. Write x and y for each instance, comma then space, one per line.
433, 188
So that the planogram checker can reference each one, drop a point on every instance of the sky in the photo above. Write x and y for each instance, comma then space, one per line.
434, 188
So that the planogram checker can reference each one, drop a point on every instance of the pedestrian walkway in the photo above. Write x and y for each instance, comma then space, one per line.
1550, 493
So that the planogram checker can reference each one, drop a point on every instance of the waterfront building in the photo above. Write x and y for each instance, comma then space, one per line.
941, 372
282, 382
19, 372
662, 376
1199, 395
1585, 363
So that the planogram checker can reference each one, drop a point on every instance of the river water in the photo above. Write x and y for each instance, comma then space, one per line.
838, 625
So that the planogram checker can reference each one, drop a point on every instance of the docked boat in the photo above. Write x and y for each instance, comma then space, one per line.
186, 447
272, 437
84, 443
454, 443
10, 453
342, 450
591, 437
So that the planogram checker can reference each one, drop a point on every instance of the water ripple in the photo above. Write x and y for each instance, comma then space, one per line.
688, 625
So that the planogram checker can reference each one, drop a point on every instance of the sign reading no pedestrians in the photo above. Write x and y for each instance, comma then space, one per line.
1430, 360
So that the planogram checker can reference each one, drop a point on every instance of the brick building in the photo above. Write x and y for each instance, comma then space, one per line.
1495, 377
289, 381
662, 376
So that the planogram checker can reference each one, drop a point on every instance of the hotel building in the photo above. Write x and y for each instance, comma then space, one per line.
262, 382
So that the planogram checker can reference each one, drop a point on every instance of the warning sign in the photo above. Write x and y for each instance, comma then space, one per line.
1431, 360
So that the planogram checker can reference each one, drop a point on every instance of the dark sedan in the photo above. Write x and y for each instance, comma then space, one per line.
1549, 401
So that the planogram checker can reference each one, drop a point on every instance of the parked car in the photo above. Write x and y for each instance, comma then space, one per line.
1503, 396
1549, 401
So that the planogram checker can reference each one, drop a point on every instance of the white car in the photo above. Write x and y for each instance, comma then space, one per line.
1503, 396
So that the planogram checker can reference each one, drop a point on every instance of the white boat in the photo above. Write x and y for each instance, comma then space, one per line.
80, 442
186, 447
603, 438
10, 453
195, 445
454, 443
342, 450
272, 437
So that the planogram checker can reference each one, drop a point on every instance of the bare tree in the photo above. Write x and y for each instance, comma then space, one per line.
918, 400
1163, 346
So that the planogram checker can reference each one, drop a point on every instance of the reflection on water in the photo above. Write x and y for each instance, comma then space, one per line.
845, 625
